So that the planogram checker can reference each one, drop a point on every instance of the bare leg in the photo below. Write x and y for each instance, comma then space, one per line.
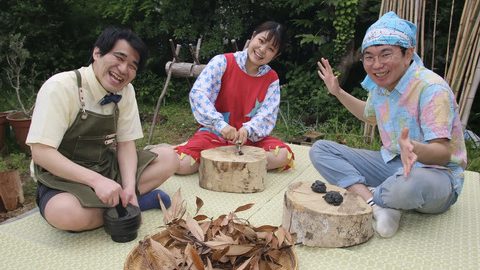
65, 212
186, 167
273, 161
279, 160
159, 170
361, 190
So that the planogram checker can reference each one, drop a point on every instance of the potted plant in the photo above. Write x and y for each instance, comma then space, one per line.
11, 191
16, 57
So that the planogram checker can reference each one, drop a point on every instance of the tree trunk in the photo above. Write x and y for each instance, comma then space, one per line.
222, 169
317, 223
184, 70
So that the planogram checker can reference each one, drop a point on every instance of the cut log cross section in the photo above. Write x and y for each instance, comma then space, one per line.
222, 169
317, 223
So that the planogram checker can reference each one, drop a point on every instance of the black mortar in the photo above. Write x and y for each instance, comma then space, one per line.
122, 223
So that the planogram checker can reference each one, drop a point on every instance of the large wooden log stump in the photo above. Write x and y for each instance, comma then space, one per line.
222, 169
317, 223
11, 192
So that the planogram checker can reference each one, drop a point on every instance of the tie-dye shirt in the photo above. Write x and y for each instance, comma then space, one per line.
423, 102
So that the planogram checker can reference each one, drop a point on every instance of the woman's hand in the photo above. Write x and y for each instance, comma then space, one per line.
229, 133
242, 135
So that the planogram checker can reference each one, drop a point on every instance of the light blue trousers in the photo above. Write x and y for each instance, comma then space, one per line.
426, 189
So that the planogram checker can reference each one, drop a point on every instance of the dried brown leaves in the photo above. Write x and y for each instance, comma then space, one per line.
226, 242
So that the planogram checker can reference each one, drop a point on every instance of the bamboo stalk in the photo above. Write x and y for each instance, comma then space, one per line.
448, 39
423, 32
452, 71
433, 36
458, 52
469, 73
467, 82
415, 18
412, 10
472, 90
471, 29
407, 9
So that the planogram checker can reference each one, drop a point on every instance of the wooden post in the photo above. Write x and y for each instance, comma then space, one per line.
177, 69
317, 223
11, 192
368, 132
222, 169
176, 52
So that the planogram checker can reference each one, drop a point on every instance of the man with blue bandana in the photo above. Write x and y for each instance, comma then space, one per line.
421, 162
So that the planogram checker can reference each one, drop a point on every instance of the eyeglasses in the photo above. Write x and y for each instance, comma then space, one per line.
383, 58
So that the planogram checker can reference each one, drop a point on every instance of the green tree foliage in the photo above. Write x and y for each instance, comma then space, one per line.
59, 35
344, 23
183, 21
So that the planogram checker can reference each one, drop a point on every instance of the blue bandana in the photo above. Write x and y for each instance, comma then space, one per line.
391, 30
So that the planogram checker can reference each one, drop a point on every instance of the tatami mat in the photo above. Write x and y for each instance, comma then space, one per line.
447, 241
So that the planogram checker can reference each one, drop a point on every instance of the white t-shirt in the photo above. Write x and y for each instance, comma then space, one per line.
58, 104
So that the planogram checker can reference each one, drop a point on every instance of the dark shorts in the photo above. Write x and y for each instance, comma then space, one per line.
85, 194
44, 194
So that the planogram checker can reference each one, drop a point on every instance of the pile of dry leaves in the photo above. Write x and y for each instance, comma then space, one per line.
226, 242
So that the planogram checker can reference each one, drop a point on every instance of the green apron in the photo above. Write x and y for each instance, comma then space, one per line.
90, 142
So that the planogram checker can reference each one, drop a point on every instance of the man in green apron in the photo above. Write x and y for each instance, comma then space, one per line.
83, 134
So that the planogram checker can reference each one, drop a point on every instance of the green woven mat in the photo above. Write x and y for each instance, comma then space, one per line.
447, 241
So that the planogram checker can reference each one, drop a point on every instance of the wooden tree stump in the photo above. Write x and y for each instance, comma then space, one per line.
11, 192
222, 169
317, 223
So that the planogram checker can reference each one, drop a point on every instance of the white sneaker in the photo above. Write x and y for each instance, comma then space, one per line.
387, 221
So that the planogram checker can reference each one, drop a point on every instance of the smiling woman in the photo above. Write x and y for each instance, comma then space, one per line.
236, 101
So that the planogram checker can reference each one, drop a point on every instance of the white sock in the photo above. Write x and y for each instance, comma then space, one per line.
387, 220
371, 202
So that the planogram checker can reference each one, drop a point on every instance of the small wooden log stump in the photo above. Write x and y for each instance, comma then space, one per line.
317, 223
184, 70
11, 192
222, 169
